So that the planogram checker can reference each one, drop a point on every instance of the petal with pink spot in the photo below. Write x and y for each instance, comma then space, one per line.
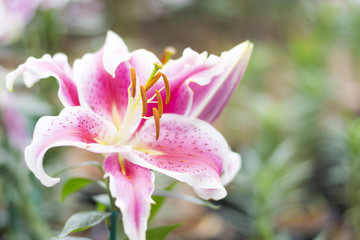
75, 126
189, 150
132, 187
98, 90
231, 168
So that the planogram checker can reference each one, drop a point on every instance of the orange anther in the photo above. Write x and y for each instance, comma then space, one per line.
153, 81
160, 102
144, 99
157, 122
167, 88
133, 82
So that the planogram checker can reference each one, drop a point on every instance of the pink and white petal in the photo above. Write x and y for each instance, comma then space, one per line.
132, 187
211, 95
191, 66
231, 168
180, 101
98, 90
115, 52
143, 62
75, 126
189, 150
57, 66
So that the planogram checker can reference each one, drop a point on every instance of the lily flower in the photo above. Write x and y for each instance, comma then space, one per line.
146, 114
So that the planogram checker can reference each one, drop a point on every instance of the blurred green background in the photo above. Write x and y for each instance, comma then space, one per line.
294, 118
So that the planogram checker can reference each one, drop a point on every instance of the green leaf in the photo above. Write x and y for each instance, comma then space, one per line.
159, 201
70, 238
72, 185
185, 197
159, 233
88, 163
82, 221
103, 199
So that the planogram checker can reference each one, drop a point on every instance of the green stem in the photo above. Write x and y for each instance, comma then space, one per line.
113, 223
114, 214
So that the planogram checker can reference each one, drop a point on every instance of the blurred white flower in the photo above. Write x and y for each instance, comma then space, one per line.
14, 15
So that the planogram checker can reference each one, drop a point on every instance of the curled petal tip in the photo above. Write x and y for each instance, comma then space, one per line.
10, 79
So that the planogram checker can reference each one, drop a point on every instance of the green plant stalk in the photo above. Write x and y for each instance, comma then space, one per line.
353, 195
113, 223
114, 214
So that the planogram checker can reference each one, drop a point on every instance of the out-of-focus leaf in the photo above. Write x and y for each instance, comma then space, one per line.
159, 201
70, 238
72, 185
188, 198
102, 199
321, 236
88, 163
82, 221
159, 233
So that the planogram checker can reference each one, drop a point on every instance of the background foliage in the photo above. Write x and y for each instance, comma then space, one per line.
294, 118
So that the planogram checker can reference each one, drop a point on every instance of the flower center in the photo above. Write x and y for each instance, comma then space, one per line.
138, 104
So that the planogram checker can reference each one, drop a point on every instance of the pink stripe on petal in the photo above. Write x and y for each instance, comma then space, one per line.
57, 66
212, 94
75, 126
189, 150
192, 66
133, 194
98, 90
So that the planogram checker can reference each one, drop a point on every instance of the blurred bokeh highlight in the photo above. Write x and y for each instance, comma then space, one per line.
294, 118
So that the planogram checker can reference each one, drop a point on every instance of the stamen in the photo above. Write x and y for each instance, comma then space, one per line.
157, 122
167, 88
148, 85
160, 102
133, 82
167, 54
157, 66
144, 99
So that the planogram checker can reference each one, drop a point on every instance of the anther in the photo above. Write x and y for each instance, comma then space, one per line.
168, 53
160, 102
144, 99
167, 88
157, 122
133, 82
153, 81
